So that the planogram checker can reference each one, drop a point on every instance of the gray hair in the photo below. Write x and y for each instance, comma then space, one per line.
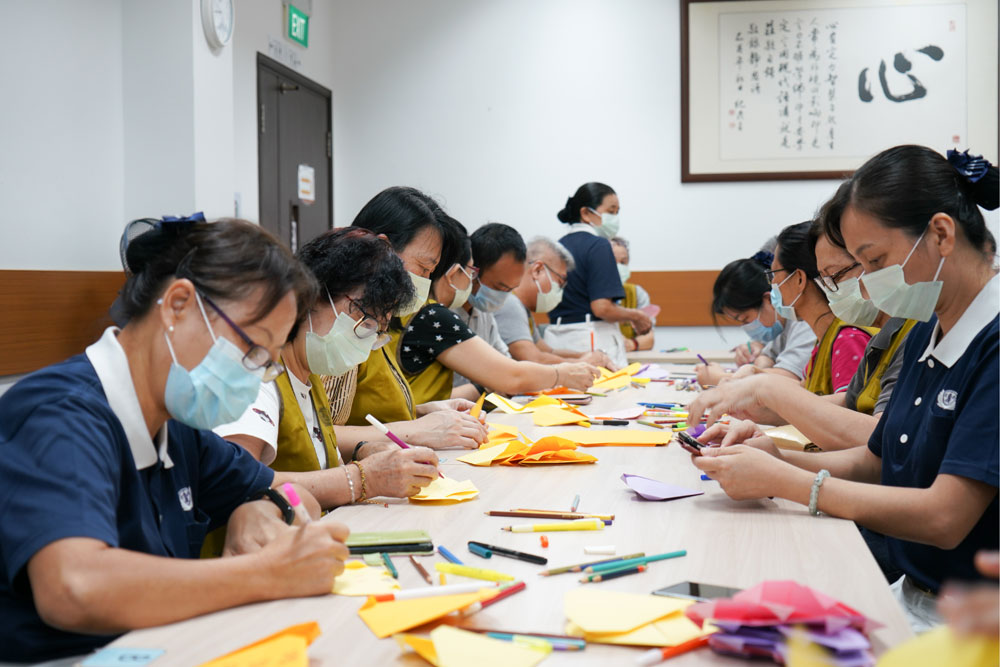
618, 240
540, 245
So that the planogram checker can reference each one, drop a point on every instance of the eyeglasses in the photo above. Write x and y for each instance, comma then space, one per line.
257, 356
769, 274
367, 327
561, 277
831, 282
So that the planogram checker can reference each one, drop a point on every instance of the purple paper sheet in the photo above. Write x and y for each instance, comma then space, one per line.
652, 489
653, 372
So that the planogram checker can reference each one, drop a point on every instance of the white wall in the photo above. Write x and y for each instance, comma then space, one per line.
502, 108
61, 167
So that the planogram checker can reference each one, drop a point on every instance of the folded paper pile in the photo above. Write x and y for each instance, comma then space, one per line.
445, 491
506, 445
454, 647
758, 622
392, 616
623, 378
629, 619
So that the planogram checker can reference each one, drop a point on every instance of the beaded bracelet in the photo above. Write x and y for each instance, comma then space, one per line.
814, 492
350, 483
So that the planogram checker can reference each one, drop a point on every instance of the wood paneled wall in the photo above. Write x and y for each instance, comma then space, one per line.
46, 316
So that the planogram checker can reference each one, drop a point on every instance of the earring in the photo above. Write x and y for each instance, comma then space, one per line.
170, 328
159, 302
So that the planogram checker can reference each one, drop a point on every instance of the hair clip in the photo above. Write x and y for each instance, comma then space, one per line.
171, 221
970, 167
764, 258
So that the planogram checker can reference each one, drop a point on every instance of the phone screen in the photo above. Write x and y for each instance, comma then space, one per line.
695, 591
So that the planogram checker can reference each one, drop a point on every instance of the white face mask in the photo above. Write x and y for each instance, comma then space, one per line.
546, 301
461, 295
610, 224
892, 295
624, 272
423, 287
848, 304
340, 349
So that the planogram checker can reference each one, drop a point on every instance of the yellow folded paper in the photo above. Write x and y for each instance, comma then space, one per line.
941, 646
388, 618
360, 579
549, 449
285, 648
505, 404
616, 436
610, 617
788, 437
445, 489
484, 456
554, 415
448, 646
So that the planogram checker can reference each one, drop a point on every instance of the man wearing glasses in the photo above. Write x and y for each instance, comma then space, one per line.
545, 271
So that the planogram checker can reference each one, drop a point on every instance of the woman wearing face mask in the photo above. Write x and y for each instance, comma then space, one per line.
112, 483
831, 421
741, 292
437, 343
635, 298
414, 225
289, 427
928, 478
588, 302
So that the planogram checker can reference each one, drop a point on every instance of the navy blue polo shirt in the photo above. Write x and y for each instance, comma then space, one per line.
68, 469
595, 276
943, 418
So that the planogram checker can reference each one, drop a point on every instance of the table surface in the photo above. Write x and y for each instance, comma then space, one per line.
729, 543
685, 357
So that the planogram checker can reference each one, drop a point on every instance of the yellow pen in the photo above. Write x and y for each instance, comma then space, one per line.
472, 572
579, 524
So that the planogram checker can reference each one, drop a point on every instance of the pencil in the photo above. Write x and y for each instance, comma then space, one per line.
595, 569
580, 566
595, 578
421, 570
591, 341
388, 563
553, 513
506, 591
576, 503
646, 423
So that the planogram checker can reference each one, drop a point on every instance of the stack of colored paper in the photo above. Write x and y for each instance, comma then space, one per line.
446, 491
757, 622
631, 619
506, 445
453, 647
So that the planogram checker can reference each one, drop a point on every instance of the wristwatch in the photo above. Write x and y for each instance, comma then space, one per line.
357, 448
287, 513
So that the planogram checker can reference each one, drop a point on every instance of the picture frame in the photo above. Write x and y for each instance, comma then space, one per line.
832, 83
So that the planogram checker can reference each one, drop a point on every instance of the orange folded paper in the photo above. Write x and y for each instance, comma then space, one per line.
284, 648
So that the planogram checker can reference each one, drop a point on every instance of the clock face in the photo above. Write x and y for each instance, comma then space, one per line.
217, 19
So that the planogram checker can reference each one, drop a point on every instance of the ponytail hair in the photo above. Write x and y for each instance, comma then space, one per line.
589, 195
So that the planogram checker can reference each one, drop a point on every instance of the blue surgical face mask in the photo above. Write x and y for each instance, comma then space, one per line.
216, 391
487, 299
763, 334
786, 312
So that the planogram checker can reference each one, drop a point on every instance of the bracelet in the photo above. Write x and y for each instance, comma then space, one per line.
364, 484
287, 511
357, 448
814, 493
350, 483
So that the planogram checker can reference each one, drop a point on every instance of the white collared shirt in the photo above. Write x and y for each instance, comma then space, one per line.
111, 365
980, 312
582, 227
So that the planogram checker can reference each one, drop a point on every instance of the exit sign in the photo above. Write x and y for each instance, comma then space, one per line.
298, 26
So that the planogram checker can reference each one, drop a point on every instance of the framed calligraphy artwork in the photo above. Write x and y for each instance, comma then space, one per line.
809, 89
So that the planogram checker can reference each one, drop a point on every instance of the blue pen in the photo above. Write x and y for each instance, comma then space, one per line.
665, 406
449, 556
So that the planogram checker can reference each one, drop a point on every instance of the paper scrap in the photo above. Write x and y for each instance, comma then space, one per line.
360, 579
633, 412
446, 490
554, 415
652, 489
285, 648
611, 617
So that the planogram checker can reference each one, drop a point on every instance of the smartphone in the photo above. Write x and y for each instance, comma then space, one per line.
689, 443
692, 590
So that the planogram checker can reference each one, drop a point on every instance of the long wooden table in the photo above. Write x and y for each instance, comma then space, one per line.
730, 543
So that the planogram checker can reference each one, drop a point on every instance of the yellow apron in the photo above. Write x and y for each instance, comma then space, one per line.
431, 384
873, 378
382, 389
631, 300
819, 379
296, 452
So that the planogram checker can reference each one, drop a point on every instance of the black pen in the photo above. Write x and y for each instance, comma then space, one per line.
613, 422
510, 553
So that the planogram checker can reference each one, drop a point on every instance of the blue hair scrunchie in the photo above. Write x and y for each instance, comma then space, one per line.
176, 223
764, 258
970, 167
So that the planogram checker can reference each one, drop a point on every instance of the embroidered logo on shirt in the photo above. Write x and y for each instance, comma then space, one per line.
263, 416
187, 502
947, 399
